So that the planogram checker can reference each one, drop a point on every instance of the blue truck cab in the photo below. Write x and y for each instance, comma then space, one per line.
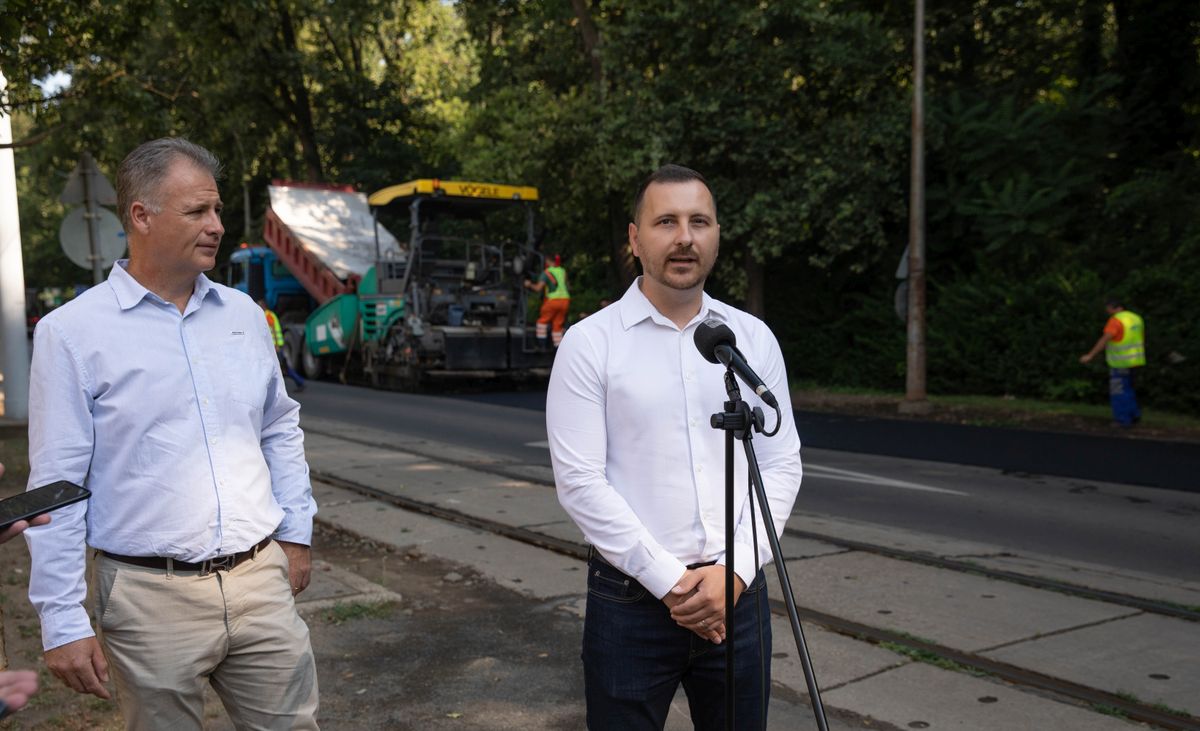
258, 272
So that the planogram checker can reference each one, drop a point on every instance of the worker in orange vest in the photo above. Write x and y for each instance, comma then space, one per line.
556, 301
277, 339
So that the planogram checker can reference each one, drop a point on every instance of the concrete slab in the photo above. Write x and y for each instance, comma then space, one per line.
800, 548
881, 535
517, 566
330, 428
1149, 656
925, 697
1122, 581
836, 660
512, 502
959, 610
331, 586
381, 522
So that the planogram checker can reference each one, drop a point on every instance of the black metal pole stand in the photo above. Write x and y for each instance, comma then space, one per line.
740, 422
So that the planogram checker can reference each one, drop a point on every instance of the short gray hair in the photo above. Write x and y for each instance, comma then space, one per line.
140, 176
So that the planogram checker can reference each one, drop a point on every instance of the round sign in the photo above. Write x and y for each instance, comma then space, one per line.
110, 243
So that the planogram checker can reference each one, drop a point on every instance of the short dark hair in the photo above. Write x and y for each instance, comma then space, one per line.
140, 176
669, 173
1113, 302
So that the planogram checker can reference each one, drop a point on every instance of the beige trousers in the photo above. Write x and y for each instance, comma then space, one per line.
165, 634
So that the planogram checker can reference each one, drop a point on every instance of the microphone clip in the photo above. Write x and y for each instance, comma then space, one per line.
738, 417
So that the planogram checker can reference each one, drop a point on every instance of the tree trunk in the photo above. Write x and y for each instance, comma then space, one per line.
755, 270
591, 41
296, 97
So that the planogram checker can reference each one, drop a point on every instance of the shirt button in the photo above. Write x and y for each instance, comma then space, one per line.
699, 468
212, 441
692, 422
206, 402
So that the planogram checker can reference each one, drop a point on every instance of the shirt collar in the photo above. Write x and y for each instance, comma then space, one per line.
634, 308
130, 291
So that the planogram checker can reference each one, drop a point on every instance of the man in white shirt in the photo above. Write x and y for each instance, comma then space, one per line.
641, 471
159, 391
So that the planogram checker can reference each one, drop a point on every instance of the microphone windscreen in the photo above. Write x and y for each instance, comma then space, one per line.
710, 334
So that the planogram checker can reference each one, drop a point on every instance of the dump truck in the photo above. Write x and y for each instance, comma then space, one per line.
446, 304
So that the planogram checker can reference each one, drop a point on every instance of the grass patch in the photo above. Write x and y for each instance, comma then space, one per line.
932, 658
357, 610
1108, 710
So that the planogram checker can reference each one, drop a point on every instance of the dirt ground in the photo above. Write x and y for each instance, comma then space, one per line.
454, 653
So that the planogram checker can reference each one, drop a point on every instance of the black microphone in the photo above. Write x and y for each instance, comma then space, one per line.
717, 343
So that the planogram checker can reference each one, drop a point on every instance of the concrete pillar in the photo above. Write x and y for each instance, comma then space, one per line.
14, 348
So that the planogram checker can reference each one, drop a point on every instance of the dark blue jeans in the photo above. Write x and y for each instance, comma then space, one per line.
635, 657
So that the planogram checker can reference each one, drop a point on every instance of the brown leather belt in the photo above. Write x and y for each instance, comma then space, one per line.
218, 563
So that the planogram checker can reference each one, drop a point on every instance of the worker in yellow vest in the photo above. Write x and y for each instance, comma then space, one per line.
1124, 345
556, 301
277, 339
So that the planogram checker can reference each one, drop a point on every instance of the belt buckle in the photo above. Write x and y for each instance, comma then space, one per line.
220, 563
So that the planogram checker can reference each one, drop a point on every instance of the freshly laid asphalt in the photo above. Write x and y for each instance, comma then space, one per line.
1170, 465
1118, 459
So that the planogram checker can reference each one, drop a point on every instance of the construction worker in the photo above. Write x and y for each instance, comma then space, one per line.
1124, 345
277, 336
556, 301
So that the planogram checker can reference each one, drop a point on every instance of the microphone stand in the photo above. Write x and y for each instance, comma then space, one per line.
740, 422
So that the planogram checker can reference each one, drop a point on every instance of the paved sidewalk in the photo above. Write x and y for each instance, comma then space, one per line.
1105, 646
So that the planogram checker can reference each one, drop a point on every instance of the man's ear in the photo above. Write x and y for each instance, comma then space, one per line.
633, 241
139, 217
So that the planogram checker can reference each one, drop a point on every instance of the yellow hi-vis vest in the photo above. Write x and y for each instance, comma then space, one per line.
558, 276
276, 331
1130, 350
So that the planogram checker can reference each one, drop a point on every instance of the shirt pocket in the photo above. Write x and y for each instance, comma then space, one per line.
244, 372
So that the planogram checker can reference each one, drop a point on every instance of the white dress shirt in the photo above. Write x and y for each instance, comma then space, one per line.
178, 424
637, 464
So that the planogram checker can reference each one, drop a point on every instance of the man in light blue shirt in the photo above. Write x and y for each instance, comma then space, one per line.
158, 390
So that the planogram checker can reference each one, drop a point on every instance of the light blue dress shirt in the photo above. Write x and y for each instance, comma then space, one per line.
180, 426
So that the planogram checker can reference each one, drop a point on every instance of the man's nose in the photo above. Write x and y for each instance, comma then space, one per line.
214, 223
683, 234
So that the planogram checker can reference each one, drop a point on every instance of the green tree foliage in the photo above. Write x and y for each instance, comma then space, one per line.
356, 93
1063, 148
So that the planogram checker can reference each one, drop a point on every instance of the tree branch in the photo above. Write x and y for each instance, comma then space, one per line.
32, 140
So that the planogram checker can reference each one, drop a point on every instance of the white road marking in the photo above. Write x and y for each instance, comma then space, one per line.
835, 473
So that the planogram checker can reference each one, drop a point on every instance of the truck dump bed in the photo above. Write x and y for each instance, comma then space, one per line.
325, 236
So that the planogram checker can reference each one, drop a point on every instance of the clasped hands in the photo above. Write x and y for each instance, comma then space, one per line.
697, 601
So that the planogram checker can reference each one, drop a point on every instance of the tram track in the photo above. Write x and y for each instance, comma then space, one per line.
919, 649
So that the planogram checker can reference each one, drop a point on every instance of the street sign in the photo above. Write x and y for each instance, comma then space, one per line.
110, 244
85, 178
